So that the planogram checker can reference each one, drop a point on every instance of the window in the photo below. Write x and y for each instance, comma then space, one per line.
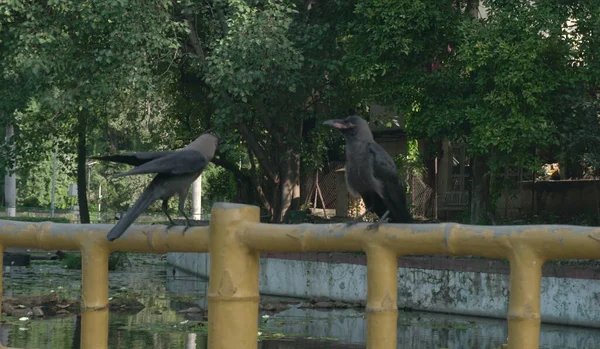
461, 169
459, 177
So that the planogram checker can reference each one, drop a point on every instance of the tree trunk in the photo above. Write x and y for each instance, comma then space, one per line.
84, 212
10, 179
480, 194
290, 187
245, 191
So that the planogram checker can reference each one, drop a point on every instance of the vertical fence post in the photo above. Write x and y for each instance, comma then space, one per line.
94, 297
382, 298
524, 302
233, 285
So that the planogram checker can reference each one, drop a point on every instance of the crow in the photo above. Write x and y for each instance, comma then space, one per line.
371, 173
175, 172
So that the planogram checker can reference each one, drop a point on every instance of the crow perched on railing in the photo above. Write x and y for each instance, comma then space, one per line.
175, 172
371, 173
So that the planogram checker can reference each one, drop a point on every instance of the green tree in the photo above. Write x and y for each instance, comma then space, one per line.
79, 62
271, 69
35, 183
506, 85
580, 127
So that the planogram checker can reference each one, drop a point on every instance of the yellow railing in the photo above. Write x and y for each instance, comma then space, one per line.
235, 239
90, 239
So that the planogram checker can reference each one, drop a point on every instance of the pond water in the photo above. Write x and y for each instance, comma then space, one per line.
165, 291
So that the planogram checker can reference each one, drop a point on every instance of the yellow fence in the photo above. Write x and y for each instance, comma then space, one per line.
236, 237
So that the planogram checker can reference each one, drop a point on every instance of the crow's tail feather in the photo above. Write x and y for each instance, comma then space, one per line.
142, 203
396, 202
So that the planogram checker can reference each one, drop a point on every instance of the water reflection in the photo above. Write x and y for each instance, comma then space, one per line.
307, 344
160, 325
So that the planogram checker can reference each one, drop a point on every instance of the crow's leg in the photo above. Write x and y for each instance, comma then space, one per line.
165, 209
181, 210
359, 218
383, 219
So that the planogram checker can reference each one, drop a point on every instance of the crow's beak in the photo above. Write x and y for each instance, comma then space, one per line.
336, 123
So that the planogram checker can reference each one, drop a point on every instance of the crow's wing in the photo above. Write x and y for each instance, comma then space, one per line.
179, 162
134, 159
391, 189
384, 168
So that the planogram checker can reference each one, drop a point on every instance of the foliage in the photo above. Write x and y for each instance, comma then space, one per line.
518, 74
272, 69
218, 185
116, 260
80, 62
119, 193
491, 82
390, 44
580, 145
515, 86
81, 55
128, 75
266, 70
37, 219
35, 184
410, 163
72, 261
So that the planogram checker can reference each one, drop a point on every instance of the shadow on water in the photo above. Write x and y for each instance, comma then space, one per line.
167, 323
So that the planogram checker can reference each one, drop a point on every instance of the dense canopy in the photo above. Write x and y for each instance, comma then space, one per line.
516, 81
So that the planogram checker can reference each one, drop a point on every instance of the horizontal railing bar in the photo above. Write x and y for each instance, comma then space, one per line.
238, 237
551, 241
138, 238
452, 239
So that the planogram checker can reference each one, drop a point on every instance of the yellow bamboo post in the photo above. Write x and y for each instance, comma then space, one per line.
382, 297
524, 303
233, 286
94, 297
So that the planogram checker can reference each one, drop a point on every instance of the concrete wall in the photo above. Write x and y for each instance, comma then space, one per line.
439, 288
560, 198
557, 197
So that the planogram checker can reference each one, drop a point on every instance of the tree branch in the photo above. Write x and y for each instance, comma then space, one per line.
253, 144
259, 189
194, 40
259, 151
229, 166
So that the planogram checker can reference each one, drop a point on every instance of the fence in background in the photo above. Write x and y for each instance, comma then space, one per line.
95, 216
235, 239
